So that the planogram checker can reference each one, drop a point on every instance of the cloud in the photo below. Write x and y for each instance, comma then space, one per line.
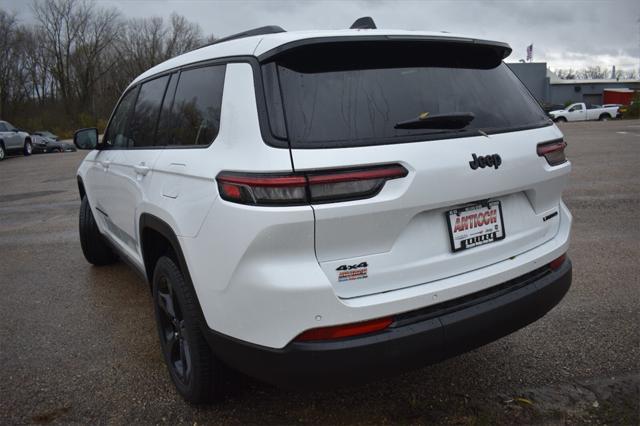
604, 33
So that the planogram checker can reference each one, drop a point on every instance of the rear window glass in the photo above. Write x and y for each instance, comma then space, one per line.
325, 105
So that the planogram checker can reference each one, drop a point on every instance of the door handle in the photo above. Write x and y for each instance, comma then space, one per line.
105, 164
141, 169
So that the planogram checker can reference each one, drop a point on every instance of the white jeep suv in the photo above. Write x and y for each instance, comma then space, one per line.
330, 206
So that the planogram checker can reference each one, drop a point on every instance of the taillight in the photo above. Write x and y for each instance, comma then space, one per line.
347, 330
309, 187
555, 264
262, 189
553, 152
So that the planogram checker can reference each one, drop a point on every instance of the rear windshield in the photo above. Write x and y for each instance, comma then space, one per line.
326, 104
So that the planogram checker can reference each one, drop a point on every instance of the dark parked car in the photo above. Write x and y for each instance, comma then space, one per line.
39, 144
46, 134
48, 142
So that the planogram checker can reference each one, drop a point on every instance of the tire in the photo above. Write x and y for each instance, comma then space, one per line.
28, 148
561, 120
94, 247
3, 152
604, 117
196, 374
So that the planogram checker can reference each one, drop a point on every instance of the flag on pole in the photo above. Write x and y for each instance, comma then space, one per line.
530, 52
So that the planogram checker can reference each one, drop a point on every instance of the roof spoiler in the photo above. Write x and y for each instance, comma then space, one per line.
490, 53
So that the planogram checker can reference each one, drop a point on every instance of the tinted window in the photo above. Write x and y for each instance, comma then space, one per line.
117, 135
146, 111
195, 115
164, 131
353, 104
3, 128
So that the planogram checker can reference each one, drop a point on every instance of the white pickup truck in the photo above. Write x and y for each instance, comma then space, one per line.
582, 112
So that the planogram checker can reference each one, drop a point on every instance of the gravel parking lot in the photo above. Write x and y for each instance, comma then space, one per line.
78, 343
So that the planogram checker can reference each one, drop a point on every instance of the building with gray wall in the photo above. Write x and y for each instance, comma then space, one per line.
547, 88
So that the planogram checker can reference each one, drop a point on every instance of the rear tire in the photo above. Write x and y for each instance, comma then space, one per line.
604, 117
94, 247
28, 148
196, 374
3, 152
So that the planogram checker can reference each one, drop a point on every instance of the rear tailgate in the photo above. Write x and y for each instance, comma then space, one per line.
339, 104
402, 234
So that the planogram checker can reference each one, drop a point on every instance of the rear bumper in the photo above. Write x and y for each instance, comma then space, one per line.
416, 338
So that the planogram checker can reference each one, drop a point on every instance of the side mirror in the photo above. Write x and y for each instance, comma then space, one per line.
86, 138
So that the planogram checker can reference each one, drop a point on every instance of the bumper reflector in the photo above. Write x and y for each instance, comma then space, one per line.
346, 330
557, 263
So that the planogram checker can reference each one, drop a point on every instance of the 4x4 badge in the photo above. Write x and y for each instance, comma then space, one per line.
491, 160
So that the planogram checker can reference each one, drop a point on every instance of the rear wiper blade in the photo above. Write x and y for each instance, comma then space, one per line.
454, 120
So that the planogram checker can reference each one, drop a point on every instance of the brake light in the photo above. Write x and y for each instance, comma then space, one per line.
553, 152
347, 330
557, 263
304, 188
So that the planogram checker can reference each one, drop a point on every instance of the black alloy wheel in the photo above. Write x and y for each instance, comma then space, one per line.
194, 370
172, 332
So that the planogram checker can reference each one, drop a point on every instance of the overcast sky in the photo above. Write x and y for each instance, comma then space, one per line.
565, 34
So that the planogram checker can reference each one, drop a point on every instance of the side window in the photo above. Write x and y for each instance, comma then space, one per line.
195, 115
146, 111
3, 128
164, 132
117, 135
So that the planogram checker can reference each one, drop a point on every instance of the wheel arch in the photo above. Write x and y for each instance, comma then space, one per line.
81, 189
156, 236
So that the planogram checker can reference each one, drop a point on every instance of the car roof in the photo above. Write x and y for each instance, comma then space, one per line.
259, 45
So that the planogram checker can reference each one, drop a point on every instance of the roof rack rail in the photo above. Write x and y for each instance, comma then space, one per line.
364, 23
269, 29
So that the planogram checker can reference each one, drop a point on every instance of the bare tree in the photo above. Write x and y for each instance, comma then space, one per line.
88, 60
147, 42
8, 53
61, 22
142, 45
70, 67
183, 36
566, 74
593, 73
37, 64
75, 34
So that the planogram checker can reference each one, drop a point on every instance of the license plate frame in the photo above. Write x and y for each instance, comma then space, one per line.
482, 233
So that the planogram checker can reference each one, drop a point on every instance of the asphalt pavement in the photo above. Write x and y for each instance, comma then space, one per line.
78, 343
